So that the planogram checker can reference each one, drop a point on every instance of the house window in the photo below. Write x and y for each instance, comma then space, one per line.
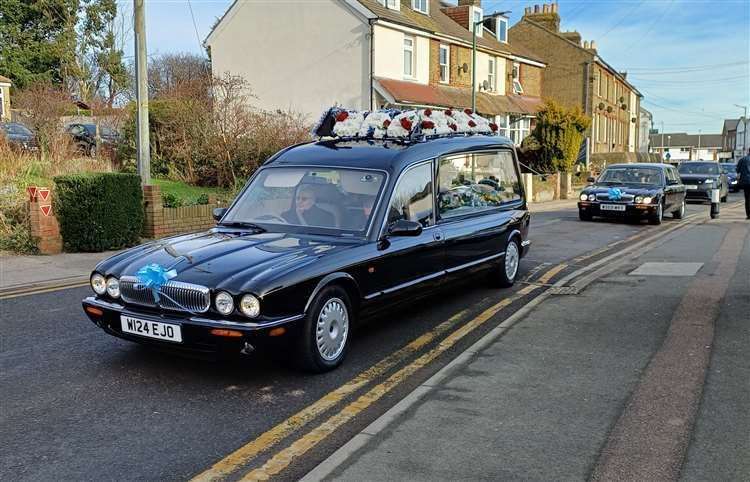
477, 17
394, 4
502, 124
517, 88
502, 29
445, 60
408, 56
420, 5
601, 133
520, 128
491, 75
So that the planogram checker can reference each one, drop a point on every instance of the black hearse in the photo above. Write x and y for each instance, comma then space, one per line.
321, 233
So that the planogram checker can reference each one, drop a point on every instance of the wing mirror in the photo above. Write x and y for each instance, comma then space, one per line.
591, 180
219, 213
403, 227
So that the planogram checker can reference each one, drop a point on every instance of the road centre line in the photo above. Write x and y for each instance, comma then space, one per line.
273, 436
331, 463
37, 291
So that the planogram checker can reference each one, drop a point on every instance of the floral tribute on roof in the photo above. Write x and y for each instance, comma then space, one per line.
406, 125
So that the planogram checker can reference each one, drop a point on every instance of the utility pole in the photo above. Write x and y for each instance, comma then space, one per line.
141, 93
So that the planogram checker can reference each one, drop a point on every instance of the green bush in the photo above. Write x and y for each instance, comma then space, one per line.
171, 200
202, 199
99, 211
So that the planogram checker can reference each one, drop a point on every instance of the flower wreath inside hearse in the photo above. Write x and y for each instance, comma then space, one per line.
277, 268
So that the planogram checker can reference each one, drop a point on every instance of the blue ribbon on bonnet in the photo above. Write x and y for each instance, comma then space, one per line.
614, 194
153, 276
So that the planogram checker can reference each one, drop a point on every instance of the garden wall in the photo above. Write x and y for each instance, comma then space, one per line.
161, 221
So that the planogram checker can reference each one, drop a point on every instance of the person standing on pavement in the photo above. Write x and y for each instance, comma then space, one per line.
743, 171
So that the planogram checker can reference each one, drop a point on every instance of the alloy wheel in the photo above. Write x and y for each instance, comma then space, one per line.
512, 258
332, 329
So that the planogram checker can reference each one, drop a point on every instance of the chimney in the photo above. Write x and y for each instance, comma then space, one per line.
586, 44
574, 37
593, 45
469, 3
461, 14
546, 15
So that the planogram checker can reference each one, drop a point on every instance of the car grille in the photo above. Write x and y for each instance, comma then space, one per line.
174, 295
625, 198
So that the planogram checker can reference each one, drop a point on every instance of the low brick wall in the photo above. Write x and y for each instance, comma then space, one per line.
160, 221
546, 189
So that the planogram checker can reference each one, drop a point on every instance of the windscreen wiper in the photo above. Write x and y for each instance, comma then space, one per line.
243, 224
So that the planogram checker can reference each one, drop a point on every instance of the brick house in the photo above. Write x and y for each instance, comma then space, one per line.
576, 74
729, 138
369, 54
686, 147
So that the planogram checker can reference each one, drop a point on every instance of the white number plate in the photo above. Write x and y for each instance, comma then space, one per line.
691, 186
151, 329
612, 207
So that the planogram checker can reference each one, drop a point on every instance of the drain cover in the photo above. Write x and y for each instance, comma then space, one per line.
564, 290
667, 269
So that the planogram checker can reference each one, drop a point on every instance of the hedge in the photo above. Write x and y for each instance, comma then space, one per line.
99, 211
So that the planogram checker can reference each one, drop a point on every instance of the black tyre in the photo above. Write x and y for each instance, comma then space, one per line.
584, 216
724, 199
504, 276
679, 213
656, 218
324, 340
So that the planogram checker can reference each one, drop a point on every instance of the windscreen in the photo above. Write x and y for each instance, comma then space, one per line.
631, 175
707, 168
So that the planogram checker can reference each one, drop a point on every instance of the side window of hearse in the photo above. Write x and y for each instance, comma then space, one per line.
412, 198
471, 183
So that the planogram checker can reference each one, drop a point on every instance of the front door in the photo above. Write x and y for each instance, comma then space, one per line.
407, 263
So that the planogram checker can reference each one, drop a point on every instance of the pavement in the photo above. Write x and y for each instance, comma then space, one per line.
35, 272
648, 382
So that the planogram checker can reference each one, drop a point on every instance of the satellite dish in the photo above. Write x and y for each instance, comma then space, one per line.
465, 67
486, 85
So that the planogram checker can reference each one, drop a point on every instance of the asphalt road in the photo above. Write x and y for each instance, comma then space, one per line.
77, 404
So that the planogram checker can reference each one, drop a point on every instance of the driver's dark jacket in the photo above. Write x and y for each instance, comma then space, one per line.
312, 217
743, 169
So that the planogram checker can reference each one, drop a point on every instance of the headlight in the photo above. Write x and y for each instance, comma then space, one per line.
639, 199
98, 284
250, 306
709, 181
647, 200
592, 197
113, 287
584, 197
224, 303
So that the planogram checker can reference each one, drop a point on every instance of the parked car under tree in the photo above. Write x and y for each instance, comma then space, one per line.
322, 233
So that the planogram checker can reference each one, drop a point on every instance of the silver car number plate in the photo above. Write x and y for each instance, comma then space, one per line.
151, 329
691, 186
612, 207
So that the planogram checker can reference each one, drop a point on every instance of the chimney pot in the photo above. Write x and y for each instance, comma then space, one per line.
554, 7
545, 8
536, 8
593, 45
586, 44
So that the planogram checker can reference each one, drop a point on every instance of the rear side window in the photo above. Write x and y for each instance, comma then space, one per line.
471, 183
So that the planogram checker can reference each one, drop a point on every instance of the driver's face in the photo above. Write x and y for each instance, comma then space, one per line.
304, 200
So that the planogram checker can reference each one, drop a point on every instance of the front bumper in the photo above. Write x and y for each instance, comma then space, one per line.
593, 208
196, 330
703, 193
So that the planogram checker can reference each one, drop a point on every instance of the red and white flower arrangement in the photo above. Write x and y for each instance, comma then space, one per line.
403, 124
348, 123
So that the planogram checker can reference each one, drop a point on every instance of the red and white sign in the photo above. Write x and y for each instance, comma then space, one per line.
46, 209
44, 193
32, 193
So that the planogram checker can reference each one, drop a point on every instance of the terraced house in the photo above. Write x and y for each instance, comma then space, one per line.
576, 74
366, 54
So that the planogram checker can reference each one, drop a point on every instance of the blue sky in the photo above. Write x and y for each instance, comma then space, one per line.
689, 58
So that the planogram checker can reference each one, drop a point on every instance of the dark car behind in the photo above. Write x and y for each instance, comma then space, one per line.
730, 169
18, 136
90, 139
701, 177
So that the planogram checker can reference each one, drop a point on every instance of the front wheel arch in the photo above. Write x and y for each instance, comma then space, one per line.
345, 281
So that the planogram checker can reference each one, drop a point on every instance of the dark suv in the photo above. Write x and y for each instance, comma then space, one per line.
18, 136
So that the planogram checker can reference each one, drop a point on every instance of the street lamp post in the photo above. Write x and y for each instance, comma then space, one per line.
476, 24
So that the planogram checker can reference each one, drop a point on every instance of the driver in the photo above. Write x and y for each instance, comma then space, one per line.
306, 213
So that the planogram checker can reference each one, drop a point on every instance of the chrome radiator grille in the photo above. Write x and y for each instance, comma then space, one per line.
625, 198
174, 295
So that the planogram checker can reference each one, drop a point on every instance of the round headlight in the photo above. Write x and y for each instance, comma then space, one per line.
592, 197
113, 287
639, 199
584, 197
647, 200
98, 284
224, 303
250, 306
